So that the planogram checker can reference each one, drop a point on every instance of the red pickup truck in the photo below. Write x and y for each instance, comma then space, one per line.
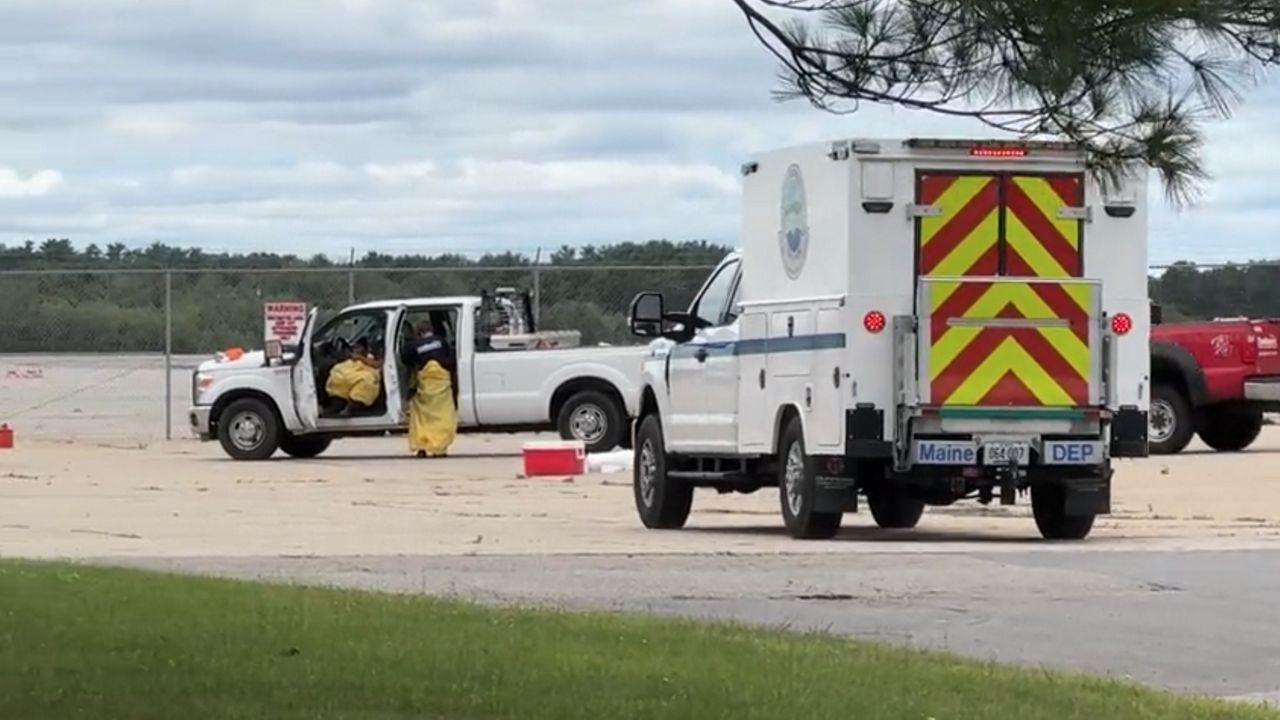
1213, 379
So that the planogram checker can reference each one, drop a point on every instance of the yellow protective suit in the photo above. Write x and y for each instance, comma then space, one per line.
354, 381
433, 420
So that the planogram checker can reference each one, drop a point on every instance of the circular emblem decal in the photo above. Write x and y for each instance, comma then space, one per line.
793, 237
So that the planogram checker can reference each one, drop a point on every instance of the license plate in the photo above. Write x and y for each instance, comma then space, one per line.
1002, 453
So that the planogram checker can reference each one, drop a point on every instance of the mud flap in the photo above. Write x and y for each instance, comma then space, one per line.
1087, 496
835, 489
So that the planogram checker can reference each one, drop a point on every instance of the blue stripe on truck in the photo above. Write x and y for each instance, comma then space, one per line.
763, 346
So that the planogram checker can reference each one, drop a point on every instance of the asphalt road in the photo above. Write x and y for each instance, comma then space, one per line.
1202, 622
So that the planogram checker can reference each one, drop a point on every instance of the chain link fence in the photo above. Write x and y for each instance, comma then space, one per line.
108, 355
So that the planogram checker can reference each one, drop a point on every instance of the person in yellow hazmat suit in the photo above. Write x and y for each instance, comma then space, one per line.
433, 414
355, 380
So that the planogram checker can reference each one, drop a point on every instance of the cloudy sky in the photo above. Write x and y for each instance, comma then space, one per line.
429, 125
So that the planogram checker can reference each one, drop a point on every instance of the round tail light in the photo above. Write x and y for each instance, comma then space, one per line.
874, 321
1121, 323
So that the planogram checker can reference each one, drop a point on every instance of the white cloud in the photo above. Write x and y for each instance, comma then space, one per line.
38, 184
306, 125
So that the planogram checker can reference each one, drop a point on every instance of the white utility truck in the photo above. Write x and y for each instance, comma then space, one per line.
914, 321
509, 378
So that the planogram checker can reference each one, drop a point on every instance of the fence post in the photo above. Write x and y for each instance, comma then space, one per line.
351, 278
537, 297
168, 354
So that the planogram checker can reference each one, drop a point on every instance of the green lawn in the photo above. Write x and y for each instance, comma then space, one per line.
97, 643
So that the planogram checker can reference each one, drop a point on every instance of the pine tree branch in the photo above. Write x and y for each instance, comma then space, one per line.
1132, 80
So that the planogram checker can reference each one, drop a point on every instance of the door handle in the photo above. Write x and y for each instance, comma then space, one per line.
701, 355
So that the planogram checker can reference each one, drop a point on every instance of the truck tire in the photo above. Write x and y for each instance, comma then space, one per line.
1230, 428
304, 446
892, 509
797, 486
594, 418
1048, 505
1170, 421
248, 429
663, 502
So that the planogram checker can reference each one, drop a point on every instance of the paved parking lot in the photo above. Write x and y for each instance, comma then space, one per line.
1176, 588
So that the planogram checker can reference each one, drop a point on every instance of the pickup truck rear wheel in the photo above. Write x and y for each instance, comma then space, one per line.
797, 486
594, 418
1170, 424
248, 429
1230, 428
304, 446
663, 502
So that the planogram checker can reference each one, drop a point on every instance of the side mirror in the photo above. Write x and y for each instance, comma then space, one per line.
647, 312
1157, 314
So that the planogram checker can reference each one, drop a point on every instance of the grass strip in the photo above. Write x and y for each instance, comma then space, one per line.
83, 642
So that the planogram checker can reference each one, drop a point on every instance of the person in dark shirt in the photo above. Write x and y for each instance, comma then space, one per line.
426, 346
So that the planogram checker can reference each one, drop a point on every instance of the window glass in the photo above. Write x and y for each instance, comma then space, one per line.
443, 322
711, 304
367, 326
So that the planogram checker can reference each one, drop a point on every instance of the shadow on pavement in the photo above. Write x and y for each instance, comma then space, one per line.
874, 534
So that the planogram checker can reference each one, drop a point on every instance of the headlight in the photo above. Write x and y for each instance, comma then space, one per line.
200, 384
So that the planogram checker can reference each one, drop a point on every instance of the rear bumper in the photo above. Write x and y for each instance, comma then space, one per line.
198, 417
1061, 438
1262, 390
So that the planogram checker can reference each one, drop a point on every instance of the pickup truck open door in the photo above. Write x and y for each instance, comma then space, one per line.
394, 380
306, 400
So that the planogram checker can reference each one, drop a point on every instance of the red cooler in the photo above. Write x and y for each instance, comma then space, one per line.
561, 457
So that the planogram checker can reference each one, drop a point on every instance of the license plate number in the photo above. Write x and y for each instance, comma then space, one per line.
1000, 453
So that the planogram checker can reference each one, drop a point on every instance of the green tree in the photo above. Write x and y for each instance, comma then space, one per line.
1131, 80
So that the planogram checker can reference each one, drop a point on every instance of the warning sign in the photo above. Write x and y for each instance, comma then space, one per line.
284, 321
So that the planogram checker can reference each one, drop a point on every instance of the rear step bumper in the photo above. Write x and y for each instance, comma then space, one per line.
1262, 390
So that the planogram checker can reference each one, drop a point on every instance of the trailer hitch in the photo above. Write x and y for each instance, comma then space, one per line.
1009, 481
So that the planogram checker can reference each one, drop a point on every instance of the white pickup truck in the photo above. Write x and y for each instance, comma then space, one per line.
265, 401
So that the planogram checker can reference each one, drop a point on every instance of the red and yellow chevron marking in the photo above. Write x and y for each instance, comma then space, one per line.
1039, 243
964, 239
972, 364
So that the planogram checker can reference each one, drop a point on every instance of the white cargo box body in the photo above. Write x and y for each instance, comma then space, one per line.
955, 288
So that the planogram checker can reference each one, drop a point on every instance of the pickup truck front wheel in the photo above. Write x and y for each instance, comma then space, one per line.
797, 485
594, 418
249, 430
1170, 424
663, 502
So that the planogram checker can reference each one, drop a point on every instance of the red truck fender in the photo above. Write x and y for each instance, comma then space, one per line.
1172, 364
1178, 390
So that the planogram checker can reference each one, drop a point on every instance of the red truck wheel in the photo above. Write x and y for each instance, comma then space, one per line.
1230, 428
1170, 424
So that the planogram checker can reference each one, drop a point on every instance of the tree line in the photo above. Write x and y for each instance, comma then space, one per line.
113, 299
108, 300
